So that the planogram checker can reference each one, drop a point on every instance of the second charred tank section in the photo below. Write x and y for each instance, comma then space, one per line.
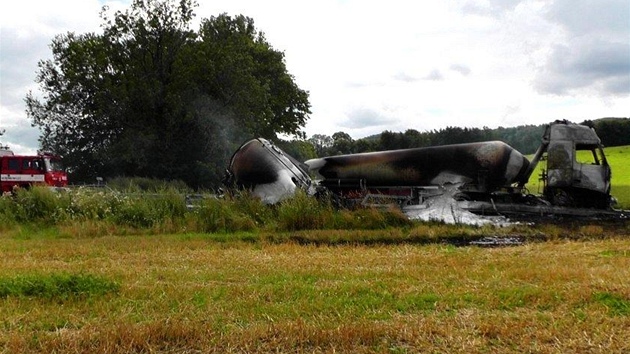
479, 167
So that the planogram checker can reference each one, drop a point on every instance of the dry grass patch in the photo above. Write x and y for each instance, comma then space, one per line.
192, 294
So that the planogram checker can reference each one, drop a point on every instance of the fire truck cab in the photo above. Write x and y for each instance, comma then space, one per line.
23, 171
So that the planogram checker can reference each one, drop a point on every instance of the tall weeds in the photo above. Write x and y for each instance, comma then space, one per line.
304, 213
167, 210
99, 212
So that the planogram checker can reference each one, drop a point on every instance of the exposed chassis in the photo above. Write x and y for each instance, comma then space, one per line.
515, 210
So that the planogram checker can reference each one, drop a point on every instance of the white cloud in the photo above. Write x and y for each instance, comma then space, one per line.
434, 75
462, 69
601, 68
588, 17
27, 28
594, 56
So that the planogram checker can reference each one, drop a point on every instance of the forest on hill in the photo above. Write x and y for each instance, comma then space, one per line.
524, 138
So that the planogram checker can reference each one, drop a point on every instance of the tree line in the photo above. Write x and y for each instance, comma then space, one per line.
612, 131
525, 138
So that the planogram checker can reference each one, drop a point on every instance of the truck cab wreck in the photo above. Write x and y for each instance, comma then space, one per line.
579, 180
577, 173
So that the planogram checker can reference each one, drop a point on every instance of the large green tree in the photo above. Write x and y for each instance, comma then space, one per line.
150, 97
322, 144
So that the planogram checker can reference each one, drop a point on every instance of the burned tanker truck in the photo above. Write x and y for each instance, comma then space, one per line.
411, 175
489, 177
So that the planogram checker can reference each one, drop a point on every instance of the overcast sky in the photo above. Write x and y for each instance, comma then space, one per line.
391, 65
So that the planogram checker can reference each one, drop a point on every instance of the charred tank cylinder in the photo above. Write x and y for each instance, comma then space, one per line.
264, 168
479, 167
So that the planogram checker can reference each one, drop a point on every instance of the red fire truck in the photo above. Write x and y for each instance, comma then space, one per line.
23, 171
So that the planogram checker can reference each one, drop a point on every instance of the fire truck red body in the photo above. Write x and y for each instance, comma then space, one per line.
23, 171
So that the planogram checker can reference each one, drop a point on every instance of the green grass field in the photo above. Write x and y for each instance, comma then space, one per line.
619, 159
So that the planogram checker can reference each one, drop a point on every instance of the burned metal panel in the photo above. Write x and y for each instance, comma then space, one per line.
560, 159
487, 166
594, 173
592, 177
264, 168
580, 134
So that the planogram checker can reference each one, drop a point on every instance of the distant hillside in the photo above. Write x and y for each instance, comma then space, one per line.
612, 131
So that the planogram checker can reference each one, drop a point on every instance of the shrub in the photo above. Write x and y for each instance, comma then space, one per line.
40, 204
146, 210
371, 218
303, 212
252, 207
134, 212
143, 184
214, 215
90, 204
8, 217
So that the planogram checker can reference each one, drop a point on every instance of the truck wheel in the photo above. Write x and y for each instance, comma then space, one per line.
561, 197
